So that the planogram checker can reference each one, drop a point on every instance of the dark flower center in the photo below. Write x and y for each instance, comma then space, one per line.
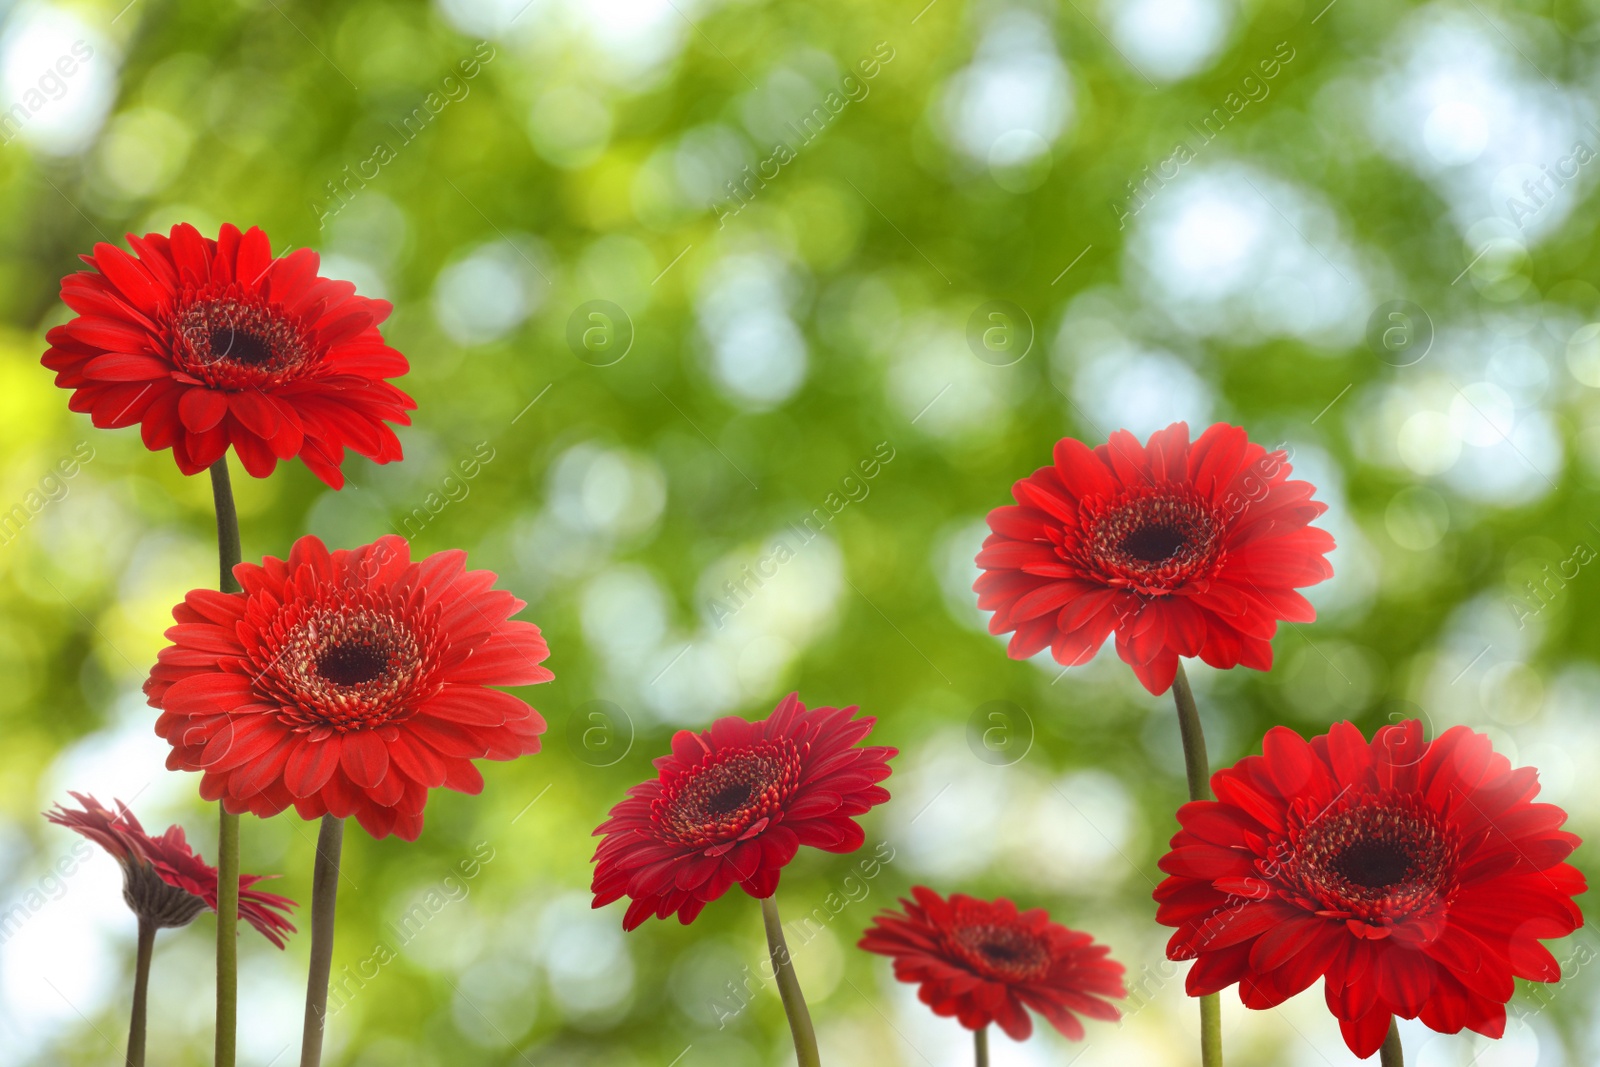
347, 667
1373, 864
1005, 951
1000, 952
1154, 544
1152, 540
352, 664
729, 800
231, 343
233, 339
731, 794
1385, 857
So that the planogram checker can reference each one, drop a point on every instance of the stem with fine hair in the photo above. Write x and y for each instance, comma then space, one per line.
1195, 764
228, 554
1198, 769
324, 897
228, 551
980, 1045
141, 992
1390, 1055
794, 1002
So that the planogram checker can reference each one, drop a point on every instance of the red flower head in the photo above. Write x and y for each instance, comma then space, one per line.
1180, 549
1415, 878
733, 804
163, 881
985, 962
347, 683
211, 343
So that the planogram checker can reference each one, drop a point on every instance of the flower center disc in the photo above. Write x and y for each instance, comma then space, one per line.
347, 668
230, 340
1152, 541
246, 349
1154, 544
729, 793
1374, 864
1004, 951
352, 664
729, 800
1375, 858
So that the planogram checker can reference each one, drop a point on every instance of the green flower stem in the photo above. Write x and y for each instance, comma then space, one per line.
1198, 769
228, 554
1211, 1030
794, 1003
1390, 1055
1194, 741
324, 897
980, 1045
141, 991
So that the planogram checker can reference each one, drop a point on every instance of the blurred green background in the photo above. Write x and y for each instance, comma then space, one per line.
801, 221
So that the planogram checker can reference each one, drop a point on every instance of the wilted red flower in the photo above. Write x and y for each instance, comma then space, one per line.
348, 683
1180, 549
211, 343
163, 881
985, 962
1416, 878
733, 804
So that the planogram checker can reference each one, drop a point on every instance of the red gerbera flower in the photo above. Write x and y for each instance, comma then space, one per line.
163, 881
348, 683
1416, 878
1180, 549
733, 804
211, 343
985, 962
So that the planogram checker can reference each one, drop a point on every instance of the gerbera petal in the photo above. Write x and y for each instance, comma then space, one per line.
200, 408
122, 367
312, 764
473, 705
255, 412
209, 693
365, 758
1365, 1034
511, 656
